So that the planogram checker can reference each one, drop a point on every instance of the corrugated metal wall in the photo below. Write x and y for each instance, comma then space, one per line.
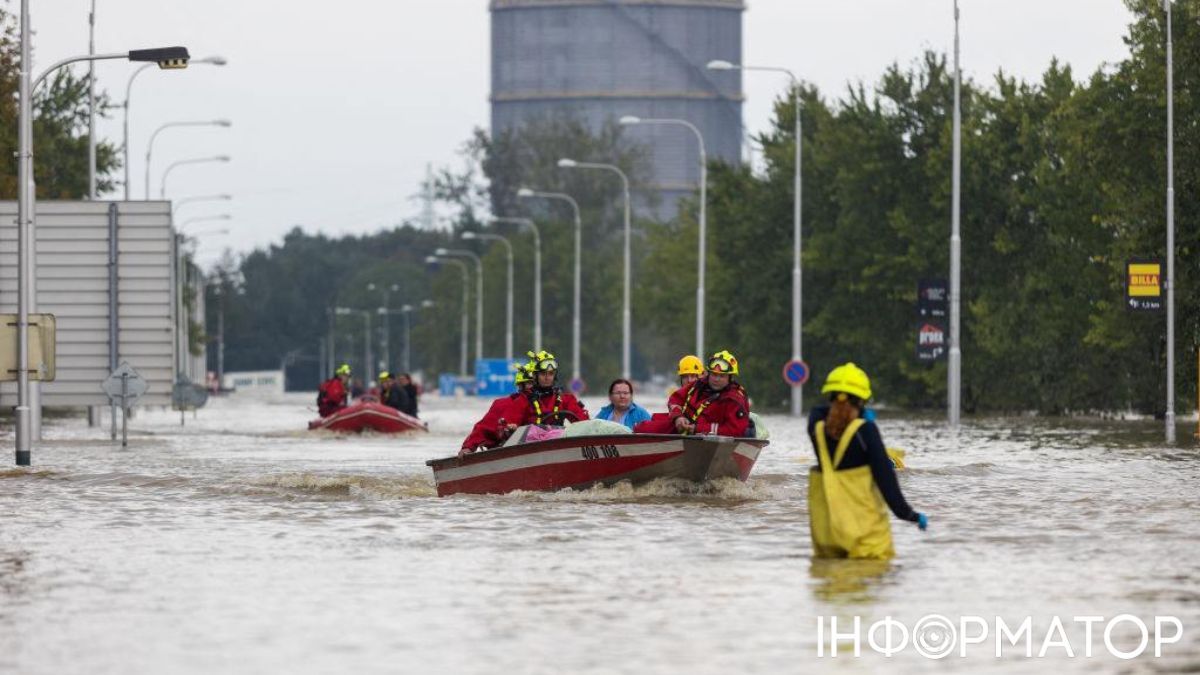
72, 284
602, 59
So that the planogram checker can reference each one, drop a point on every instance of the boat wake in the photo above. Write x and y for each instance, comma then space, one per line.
344, 486
718, 490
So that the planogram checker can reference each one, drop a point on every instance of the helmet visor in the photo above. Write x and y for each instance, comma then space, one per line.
548, 364
720, 366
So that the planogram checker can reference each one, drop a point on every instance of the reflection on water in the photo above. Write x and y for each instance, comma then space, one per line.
241, 543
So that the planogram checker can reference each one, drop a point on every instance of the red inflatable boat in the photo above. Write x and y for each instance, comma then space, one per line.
368, 416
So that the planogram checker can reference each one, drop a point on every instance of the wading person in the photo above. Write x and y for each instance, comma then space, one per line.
621, 408
332, 394
848, 488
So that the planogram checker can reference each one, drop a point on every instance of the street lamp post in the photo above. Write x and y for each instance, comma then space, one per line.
214, 60
28, 422
575, 321
445, 252
797, 207
537, 274
406, 310
171, 125
368, 370
1170, 280
433, 259
954, 371
508, 302
198, 160
385, 312
626, 312
632, 120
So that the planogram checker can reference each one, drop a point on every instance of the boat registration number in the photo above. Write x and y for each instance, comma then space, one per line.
598, 451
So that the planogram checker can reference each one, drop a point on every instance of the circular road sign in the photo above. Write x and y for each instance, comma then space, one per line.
578, 386
795, 372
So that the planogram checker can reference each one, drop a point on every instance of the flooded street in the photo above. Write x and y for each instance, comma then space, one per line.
242, 543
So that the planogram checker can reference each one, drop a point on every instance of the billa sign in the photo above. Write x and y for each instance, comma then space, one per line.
931, 341
1143, 285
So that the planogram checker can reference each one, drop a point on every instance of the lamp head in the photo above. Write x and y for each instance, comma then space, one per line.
525, 192
630, 119
406, 308
223, 123
431, 260
468, 235
441, 251
565, 163
221, 158
427, 303
167, 58
718, 64
371, 286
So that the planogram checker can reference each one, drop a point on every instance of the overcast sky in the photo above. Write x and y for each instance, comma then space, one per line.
338, 106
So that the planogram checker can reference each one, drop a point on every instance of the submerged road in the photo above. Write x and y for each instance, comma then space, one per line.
242, 543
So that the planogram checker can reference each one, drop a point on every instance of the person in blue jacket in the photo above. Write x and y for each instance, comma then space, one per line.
621, 408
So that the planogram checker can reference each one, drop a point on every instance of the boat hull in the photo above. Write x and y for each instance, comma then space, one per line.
368, 416
583, 461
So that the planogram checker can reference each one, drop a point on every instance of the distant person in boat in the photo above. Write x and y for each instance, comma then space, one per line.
713, 404
356, 388
405, 380
546, 402
332, 393
621, 408
690, 369
848, 488
493, 429
393, 394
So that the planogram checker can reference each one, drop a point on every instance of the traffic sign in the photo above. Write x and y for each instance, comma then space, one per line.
124, 385
795, 372
578, 386
186, 395
1143, 285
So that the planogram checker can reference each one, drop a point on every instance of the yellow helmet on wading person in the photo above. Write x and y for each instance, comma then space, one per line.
691, 365
848, 379
723, 363
542, 360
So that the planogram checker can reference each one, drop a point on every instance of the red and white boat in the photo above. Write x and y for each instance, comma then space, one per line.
368, 416
583, 461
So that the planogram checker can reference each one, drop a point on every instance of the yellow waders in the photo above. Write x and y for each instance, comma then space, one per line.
848, 517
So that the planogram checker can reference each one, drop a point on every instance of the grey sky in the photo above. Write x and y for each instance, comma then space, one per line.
338, 106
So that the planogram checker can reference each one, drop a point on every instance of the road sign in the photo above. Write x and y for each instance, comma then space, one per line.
578, 386
124, 385
185, 395
1143, 285
931, 341
42, 343
494, 377
932, 298
795, 372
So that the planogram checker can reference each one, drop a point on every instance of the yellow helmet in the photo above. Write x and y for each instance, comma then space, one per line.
542, 360
850, 379
343, 369
524, 373
385, 375
691, 365
723, 363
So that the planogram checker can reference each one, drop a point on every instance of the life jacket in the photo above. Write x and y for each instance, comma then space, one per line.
538, 413
847, 515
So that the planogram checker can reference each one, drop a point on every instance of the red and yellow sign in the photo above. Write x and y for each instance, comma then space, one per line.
1145, 280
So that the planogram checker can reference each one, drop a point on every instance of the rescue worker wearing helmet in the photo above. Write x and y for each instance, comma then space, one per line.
690, 369
494, 428
854, 482
333, 393
393, 394
713, 404
546, 402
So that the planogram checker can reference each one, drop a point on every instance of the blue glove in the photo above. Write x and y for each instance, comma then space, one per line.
922, 521
869, 415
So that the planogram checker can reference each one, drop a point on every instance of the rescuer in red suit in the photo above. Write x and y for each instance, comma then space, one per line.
494, 428
546, 402
713, 404
332, 394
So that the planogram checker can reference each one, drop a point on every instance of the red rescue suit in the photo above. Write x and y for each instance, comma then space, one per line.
331, 396
549, 406
492, 430
728, 409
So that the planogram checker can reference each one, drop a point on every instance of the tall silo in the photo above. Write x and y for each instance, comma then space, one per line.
602, 59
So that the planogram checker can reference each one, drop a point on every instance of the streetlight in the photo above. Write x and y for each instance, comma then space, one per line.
368, 372
198, 160
508, 305
433, 260
406, 310
528, 193
446, 252
537, 274
630, 120
202, 219
954, 371
214, 60
179, 203
170, 125
626, 312
28, 408
384, 310
1170, 280
798, 202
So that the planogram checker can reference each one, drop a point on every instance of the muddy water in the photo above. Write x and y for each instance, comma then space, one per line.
239, 543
